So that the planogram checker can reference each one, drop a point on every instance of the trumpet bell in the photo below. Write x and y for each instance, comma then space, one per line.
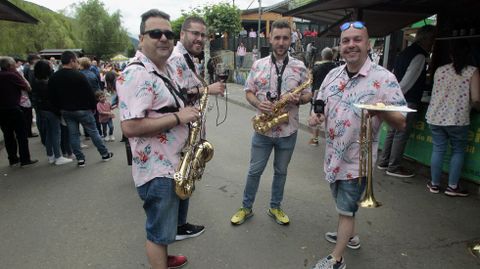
370, 202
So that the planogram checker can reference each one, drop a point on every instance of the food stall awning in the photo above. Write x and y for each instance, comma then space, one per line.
10, 12
381, 16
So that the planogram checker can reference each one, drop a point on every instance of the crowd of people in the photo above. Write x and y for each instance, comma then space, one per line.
158, 94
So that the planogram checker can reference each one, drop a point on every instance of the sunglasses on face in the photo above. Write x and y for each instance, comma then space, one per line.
197, 33
157, 34
355, 24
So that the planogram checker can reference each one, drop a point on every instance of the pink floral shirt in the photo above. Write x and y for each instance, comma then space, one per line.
450, 103
104, 110
184, 77
263, 79
372, 84
141, 92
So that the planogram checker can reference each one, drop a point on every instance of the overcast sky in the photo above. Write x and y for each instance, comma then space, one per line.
131, 10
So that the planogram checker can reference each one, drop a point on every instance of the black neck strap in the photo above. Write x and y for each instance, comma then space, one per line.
279, 73
190, 63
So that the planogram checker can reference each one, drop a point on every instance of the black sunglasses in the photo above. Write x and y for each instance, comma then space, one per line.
157, 34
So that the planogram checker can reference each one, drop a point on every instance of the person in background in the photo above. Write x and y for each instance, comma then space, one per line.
252, 33
241, 52
319, 72
270, 79
411, 72
342, 88
456, 89
27, 102
255, 54
105, 116
12, 121
49, 114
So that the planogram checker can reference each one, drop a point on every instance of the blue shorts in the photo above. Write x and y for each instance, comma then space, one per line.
346, 194
160, 203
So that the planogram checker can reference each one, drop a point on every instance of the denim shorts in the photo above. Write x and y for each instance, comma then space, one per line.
160, 203
346, 194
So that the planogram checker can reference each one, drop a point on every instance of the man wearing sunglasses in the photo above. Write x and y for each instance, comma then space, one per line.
192, 41
154, 117
359, 81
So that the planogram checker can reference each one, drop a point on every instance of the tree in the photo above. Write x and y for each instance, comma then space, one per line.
222, 18
100, 33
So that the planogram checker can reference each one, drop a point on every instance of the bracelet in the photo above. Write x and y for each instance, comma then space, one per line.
176, 118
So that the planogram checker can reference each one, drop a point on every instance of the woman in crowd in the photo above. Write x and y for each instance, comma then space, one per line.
456, 90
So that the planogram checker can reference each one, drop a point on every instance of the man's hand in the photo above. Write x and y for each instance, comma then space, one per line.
265, 106
188, 114
315, 119
217, 88
294, 98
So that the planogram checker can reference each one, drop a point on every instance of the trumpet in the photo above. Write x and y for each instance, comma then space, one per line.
366, 159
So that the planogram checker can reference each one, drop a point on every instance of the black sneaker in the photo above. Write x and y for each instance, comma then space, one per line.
81, 163
382, 166
107, 157
28, 163
433, 188
401, 172
456, 192
188, 230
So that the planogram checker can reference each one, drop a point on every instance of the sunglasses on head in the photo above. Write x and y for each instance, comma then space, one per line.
157, 34
355, 24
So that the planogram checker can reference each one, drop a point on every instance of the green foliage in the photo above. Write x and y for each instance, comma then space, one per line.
222, 17
101, 34
53, 31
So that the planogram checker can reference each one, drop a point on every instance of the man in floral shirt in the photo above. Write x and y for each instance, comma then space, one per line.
270, 79
359, 81
192, 41
154, 118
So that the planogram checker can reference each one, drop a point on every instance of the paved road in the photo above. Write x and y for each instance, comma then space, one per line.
68, 217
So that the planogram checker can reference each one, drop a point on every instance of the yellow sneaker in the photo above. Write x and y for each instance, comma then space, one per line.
241, 216
279, 216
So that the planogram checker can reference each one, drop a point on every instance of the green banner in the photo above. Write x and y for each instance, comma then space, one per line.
419, 146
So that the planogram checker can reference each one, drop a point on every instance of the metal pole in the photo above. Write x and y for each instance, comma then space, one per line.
386, 51
259, 23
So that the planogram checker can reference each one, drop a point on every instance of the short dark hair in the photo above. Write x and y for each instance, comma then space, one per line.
280, 24
42, 70
192, 19
32, 57
152, 13
460, 54
67, 57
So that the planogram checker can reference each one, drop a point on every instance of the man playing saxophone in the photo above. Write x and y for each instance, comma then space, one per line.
270, 81
360, 81
192, 41
154, 117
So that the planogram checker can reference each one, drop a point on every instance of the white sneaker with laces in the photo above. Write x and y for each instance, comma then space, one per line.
353, 243
106, 138
51, 159
112, 138
62, 160
83, 146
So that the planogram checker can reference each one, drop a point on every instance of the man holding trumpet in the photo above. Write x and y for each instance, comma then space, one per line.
360, 81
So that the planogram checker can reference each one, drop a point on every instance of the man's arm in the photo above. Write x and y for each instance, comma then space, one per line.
413, 73
395, 119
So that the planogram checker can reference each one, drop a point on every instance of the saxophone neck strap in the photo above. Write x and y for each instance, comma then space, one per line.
279, 73
190, 63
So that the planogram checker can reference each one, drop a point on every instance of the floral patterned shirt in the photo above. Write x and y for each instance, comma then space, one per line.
263, 79
140, 93
450, 103
184, 77
372, 84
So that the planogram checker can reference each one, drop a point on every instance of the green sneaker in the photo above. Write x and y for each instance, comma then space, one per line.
279, 216
241, 216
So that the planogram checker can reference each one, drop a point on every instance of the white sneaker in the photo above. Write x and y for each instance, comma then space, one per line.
51, 159
83, 146
112, 138
62, 160
106, 138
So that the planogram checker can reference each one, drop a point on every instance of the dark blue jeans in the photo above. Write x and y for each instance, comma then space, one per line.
87, 120
51, 131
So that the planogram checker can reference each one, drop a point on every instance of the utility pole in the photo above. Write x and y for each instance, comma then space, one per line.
259, 23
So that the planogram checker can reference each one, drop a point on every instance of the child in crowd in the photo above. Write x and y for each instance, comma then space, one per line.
105, 116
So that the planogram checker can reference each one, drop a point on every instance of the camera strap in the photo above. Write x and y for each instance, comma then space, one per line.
279, 74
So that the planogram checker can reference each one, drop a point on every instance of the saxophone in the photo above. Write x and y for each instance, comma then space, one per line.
266, 121
195, 154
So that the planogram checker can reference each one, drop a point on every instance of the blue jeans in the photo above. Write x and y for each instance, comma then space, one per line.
396, 141
458, 141
108, 124
259, 154
87, 120
160, 203
51, 131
